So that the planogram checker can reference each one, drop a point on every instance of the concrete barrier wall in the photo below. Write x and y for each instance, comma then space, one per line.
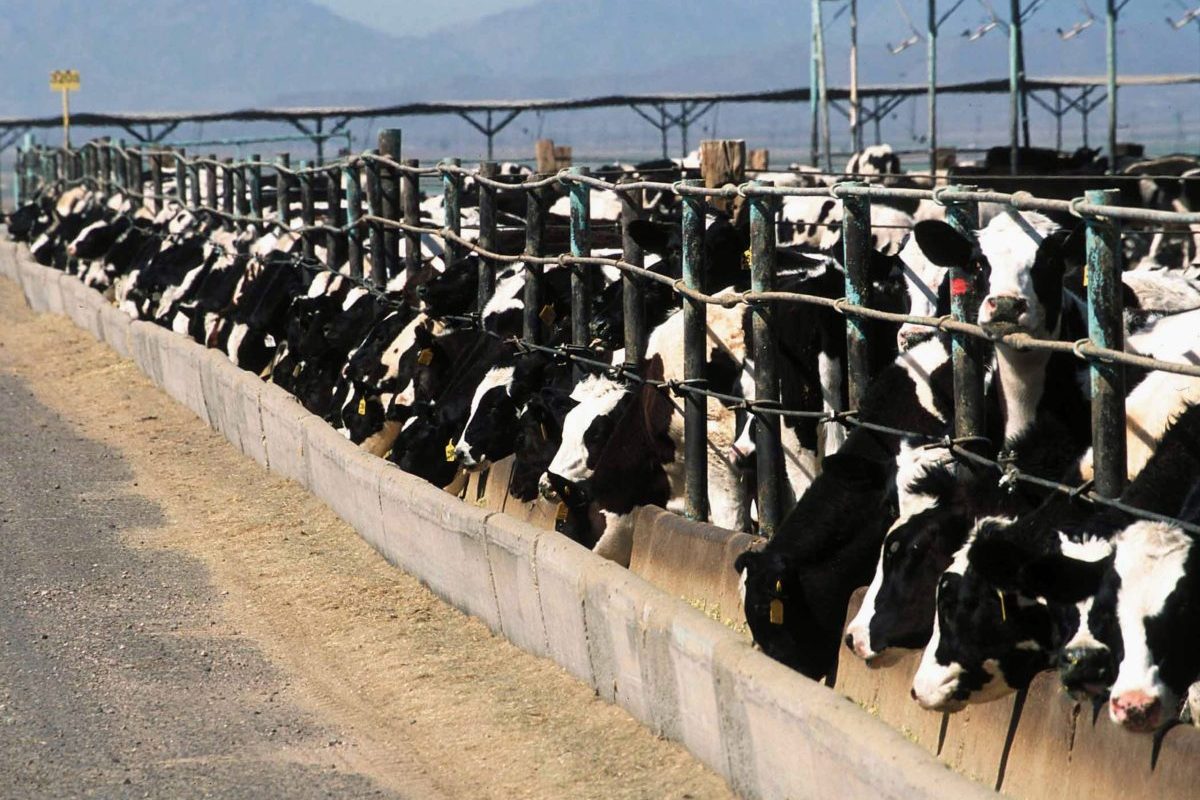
770, 732
1044, 746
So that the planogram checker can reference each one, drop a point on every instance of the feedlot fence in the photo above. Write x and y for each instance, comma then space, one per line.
354, 228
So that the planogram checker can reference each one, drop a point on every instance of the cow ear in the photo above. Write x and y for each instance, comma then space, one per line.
653, 237
747, 561
1074, 245
855, 471
943, 245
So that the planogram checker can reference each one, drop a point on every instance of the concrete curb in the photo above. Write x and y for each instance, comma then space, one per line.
769, 731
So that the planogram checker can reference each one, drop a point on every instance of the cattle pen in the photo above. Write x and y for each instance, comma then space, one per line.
357, 227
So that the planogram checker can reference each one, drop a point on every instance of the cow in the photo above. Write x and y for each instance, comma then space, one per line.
977, 653
797, 588
615, 431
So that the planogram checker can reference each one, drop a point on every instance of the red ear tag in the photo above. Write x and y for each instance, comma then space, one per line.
959, 287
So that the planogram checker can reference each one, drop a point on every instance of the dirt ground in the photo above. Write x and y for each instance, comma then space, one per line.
426, 701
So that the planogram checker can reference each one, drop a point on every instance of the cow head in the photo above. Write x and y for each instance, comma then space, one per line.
454, 291
794, 615
724, 246
898, 609
539, 434
599, 404
986, 642
1155, 582
1025, 257
489, 432
1063, 571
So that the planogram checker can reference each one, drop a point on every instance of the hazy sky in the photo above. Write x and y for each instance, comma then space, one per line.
417, 16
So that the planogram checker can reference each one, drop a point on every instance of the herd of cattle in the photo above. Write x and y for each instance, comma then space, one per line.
997, 580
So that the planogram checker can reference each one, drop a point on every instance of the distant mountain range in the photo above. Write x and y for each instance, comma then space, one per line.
218, 54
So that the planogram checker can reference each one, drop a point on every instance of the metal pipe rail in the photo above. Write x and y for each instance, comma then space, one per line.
382, 221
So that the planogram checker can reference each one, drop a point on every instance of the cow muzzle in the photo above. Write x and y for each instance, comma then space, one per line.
1002, 313
1136, 711
1087, 671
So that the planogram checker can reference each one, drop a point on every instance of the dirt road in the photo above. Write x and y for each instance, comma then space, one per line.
176, 621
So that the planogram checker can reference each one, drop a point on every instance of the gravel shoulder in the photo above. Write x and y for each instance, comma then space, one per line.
213, 630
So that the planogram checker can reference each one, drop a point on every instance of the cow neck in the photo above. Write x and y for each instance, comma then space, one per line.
1022, 378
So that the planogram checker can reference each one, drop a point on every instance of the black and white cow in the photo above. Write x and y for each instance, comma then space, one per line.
797, 588
977, 652
615, 431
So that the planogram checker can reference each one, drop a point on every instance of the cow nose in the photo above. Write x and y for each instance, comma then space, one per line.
1087, 670
1005, 308
738, 455
910, 337
1136, 711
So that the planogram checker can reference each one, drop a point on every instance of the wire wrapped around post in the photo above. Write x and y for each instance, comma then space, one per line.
20, 188
532, 313
120, 166
452, 209
354, 229
156, 180
768, 446
966, 352
334, 247
193, 170
695, 335
1106, 329
210, 184
581, 246
308, 211
181, 178
134, 177
256, 186
487, 234
389, 203
632, 298
105, 168
410, 202
283, 194
379, 272
229, 191
240, 199
856, 235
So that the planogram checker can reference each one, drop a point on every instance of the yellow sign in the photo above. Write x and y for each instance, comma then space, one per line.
64, 80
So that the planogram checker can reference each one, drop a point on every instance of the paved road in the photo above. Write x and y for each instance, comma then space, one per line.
117, 677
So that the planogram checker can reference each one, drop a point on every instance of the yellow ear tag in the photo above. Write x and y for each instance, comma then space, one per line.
1003, 610
362, 406
425, 357
547, 315
450, 456
1085, 270
560, 513
777, 605
776, 612
746, 259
